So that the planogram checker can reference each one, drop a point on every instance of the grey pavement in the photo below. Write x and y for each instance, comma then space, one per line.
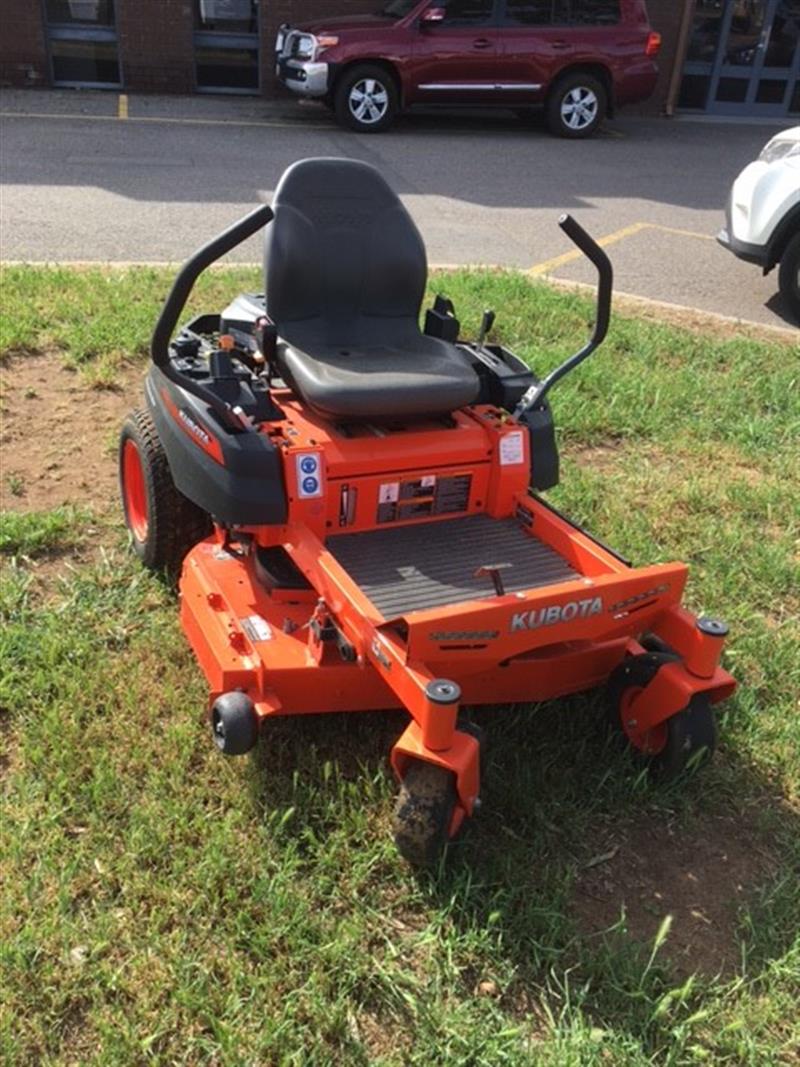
78, 182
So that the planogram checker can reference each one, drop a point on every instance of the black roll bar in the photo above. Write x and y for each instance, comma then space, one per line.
605, 281
179, 294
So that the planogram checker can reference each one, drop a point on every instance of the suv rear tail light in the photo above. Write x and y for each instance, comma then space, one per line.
653, 46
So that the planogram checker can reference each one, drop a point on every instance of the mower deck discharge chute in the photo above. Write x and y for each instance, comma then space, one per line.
355, 507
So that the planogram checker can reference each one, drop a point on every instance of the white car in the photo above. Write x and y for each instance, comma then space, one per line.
762, 219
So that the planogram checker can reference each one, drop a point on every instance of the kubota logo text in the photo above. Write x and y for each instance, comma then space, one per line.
194, 427
573, 609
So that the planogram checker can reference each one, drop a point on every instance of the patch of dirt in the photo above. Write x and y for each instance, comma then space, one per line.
58, 435
702, 877
601, 458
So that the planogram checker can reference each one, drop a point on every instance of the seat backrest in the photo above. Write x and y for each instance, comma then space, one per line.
344, 262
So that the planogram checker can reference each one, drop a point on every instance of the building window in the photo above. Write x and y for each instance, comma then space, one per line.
82, 41
743, 58
80, 12
226, 46
234, 69
226, 16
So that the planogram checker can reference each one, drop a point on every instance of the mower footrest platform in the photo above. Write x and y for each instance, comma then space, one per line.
428, 565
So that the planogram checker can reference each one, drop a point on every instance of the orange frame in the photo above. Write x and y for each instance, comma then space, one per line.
533, 645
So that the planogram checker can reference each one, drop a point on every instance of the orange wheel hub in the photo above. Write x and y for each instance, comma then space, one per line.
134, 490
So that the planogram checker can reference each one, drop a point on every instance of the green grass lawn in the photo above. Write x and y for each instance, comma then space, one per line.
159, 903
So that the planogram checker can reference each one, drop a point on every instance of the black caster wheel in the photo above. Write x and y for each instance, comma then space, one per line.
423, 813
675, 745
464, 726
234, 724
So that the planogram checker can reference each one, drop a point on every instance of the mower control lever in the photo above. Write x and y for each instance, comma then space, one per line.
486, 324
534, 397
179, 294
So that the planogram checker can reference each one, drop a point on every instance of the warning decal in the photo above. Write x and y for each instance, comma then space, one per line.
512, 450
418, 497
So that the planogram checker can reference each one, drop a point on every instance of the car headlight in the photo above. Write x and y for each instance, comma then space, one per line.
779, 148
304, 48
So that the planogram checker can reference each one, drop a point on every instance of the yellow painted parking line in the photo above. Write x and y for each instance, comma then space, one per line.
548, 265
174, 122
681, 233
122, 109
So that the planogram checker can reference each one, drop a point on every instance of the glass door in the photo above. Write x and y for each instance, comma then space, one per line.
82, 41
743, 58
226, 46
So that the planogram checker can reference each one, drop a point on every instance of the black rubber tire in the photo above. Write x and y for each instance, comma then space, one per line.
234, 724
556, 121
346, 84
691, 734
789, 277
480, 735
174, 524
423, 813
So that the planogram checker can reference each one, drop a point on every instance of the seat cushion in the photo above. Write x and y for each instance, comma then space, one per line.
345, 278
419, 376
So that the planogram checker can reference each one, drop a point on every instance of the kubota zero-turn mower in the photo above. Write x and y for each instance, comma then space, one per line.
355, 506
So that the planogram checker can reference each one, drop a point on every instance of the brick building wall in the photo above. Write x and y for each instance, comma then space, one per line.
23, 54
156, 45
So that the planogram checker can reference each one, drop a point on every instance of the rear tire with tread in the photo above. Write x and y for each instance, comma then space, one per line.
162, 522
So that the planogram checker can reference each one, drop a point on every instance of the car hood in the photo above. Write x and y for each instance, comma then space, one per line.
792, 134
344, 22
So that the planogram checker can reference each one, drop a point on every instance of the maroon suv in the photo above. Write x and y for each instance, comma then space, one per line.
579, 59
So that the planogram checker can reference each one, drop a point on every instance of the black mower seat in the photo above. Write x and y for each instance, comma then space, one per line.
345, 277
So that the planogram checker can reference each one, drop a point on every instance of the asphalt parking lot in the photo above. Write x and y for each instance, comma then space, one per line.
103, 177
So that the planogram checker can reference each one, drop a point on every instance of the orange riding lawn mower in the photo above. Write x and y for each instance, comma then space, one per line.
354, 507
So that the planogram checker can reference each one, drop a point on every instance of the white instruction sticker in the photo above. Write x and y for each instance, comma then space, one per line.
389, 493
256, 628
428, 481
511, 449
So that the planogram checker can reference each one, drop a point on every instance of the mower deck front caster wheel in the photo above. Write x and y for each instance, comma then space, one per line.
234, 724
684, 740
423, 813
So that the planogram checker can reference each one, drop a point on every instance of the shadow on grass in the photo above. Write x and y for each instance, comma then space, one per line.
579, 865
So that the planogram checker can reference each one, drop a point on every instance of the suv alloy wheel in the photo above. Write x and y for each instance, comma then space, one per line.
366, 99
577, 106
